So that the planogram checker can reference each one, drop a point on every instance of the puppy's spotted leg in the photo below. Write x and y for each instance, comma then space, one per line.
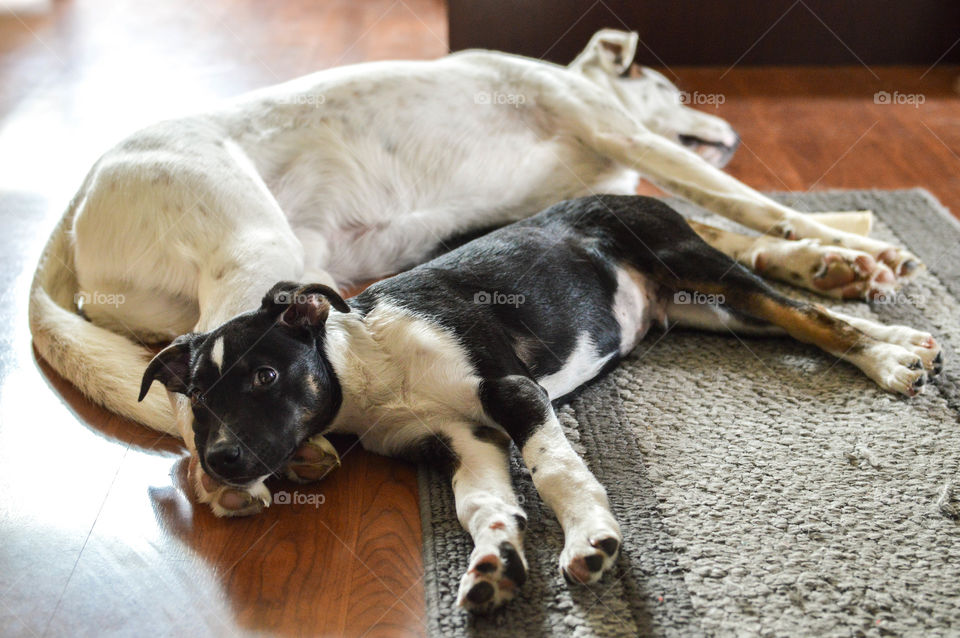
591, 534
487, 508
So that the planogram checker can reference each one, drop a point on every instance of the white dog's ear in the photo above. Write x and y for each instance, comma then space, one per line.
610, 49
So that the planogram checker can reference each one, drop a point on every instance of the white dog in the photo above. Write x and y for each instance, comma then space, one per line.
356, 172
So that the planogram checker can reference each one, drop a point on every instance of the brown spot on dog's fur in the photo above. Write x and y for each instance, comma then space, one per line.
708, 233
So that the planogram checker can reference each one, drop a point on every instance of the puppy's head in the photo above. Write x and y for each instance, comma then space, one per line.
259, 385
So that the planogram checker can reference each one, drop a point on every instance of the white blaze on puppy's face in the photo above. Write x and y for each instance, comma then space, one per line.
216, 354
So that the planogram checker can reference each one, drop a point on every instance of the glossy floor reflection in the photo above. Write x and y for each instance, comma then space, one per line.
97, 534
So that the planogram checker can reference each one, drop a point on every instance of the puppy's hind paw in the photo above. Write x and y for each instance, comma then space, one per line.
894, 368
493, 578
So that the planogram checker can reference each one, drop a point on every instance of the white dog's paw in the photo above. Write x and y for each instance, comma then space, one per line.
224, 500
902, 263
313, 460
828, 270
589, 553
495, 575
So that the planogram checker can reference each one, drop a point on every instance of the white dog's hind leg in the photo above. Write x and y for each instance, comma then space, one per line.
828, 270
683, 173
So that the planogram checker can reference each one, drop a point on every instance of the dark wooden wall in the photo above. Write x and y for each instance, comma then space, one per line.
725, 32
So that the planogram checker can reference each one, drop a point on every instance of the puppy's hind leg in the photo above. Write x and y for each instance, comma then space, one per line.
591, 534
487, 508
901, 361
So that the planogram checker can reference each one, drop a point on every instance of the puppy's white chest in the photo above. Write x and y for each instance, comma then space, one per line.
407, 379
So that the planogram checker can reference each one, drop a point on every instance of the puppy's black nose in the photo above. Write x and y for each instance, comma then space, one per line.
224, 457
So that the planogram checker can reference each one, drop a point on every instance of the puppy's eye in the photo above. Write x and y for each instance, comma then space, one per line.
264, 377
195, 395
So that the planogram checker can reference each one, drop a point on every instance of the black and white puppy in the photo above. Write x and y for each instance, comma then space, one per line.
460, 356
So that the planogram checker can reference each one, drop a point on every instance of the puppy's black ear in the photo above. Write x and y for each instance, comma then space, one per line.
278, 297
171, 366
307, 305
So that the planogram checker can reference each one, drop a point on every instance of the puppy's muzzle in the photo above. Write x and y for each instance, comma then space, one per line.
231, 462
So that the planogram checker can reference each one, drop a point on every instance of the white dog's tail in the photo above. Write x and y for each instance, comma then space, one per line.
105, 366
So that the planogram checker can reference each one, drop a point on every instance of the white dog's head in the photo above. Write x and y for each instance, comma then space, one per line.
655, 101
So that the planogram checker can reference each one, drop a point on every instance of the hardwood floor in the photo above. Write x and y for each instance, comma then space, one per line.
97, 534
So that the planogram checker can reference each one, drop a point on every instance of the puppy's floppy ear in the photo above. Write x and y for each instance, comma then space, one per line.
302, 305
171, 366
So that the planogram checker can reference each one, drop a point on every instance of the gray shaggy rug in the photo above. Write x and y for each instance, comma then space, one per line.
764, 488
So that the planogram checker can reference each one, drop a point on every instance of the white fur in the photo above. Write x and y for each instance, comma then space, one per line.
402, 377
216, 353
583, 364
899, 357
486, 507
635, 307
565, 483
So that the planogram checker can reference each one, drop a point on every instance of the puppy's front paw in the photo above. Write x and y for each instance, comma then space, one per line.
494, 576
313, 460
588, 555
225, 500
